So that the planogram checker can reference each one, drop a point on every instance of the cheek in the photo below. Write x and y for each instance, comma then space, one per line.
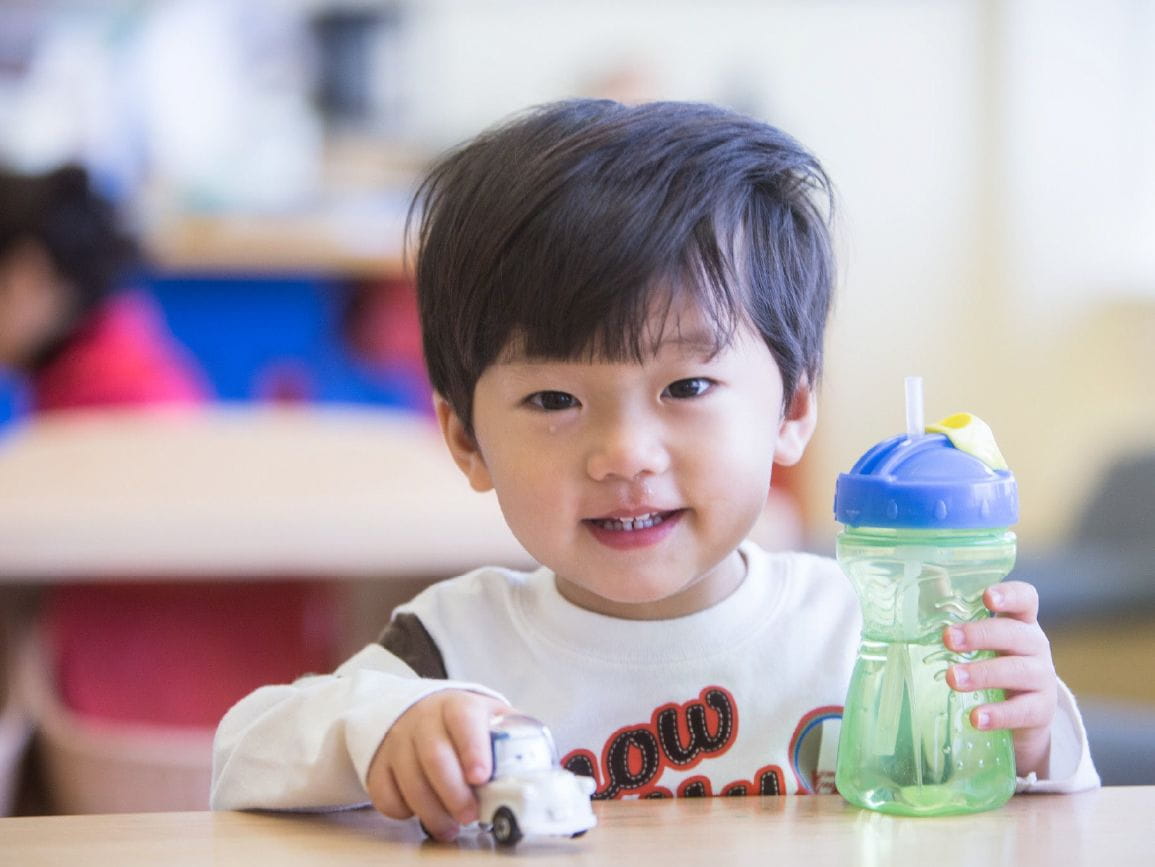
743, 440
740, 483
529, 491
737, 464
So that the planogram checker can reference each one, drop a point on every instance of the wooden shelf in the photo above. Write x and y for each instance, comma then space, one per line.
366, 246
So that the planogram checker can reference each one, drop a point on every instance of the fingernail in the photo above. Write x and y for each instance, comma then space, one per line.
957, 637
441, 835
996, 597
983, 720
962, 677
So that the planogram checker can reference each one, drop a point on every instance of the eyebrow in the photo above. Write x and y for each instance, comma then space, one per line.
698, 339
698, 342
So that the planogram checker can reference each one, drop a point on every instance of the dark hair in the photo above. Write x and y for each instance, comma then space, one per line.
562, 227
77, 228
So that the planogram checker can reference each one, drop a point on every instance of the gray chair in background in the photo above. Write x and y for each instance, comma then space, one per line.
1105, 574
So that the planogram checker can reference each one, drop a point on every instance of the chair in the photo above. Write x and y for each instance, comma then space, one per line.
1097, 593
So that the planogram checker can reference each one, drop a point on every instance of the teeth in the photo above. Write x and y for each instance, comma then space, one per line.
638, 522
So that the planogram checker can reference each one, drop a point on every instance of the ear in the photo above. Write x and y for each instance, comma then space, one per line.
797, 426
462, 446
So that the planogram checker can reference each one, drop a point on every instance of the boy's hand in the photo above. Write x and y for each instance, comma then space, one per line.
1023, 669
431, 757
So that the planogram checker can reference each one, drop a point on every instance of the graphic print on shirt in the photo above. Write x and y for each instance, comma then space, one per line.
822, 725
681, 736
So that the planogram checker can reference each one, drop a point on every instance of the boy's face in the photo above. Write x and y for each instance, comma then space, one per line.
635, 482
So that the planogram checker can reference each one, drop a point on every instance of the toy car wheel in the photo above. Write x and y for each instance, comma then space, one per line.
505, 829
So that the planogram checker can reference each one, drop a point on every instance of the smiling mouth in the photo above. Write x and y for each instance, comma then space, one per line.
632, 524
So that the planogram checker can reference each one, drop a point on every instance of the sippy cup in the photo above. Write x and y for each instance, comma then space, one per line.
925, 517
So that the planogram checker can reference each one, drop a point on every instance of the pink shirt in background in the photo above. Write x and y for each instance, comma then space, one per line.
165, 652
122, 356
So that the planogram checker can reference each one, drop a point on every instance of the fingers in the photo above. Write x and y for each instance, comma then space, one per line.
441, 771
453, 757
1016, 599
399, 790
1024, 670
383, 790
420, 796
1015, 629
428, 762
1029, 710
1002, 634
468, 727
1010, 673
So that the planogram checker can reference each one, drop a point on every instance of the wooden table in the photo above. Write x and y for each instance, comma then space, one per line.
1108, 827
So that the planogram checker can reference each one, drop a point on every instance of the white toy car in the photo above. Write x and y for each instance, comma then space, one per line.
529, 792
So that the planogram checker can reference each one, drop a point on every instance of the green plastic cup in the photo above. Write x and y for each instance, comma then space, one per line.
926, 520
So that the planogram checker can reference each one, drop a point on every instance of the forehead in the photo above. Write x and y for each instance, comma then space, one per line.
672, 326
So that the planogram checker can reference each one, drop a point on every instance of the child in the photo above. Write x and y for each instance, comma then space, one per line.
623, 312
65, 322
83, 340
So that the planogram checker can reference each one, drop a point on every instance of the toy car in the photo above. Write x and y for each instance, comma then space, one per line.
529, 792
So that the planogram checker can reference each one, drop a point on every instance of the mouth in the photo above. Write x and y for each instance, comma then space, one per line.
633, 523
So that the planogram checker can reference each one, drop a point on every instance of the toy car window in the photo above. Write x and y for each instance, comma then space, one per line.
519, 754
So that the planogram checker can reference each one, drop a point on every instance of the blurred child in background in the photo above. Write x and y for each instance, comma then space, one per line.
63, 321
82, 339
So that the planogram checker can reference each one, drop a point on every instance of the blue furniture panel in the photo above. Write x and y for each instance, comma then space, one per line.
265, 337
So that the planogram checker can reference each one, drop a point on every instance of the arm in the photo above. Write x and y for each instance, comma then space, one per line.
1051, 750
309, 744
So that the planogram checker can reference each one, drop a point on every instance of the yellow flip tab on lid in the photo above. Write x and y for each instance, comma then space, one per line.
969, 433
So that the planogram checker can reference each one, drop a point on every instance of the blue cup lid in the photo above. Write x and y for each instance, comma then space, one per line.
925, 483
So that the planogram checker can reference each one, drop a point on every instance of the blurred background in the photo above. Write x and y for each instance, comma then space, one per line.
995, 171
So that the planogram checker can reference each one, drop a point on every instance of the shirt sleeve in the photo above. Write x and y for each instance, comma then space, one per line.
307, 745
1070, 767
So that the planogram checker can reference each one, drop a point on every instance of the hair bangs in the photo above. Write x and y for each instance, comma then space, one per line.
614, 312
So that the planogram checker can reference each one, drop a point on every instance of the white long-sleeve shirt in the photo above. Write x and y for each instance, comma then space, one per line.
737, 695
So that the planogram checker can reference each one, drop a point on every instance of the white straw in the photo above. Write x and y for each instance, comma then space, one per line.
915, 421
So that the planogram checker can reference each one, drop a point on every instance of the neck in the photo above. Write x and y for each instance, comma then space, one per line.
704, 592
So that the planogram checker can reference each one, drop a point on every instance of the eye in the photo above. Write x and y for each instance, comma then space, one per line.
552, 401
684, 388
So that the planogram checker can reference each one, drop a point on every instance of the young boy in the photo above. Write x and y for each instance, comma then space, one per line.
623, 311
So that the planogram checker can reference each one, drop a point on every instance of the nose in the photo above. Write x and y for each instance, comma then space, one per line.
627, 448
